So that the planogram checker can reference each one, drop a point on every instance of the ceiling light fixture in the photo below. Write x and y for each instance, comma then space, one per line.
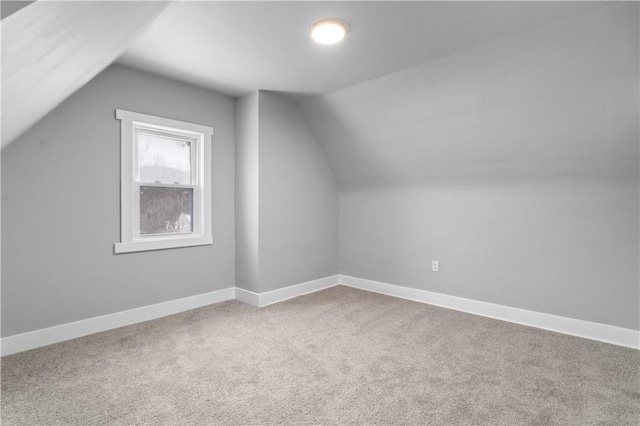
328, 31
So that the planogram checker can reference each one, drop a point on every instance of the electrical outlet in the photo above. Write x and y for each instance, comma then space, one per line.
435, 267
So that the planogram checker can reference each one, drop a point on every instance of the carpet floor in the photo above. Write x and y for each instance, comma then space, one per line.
338, 356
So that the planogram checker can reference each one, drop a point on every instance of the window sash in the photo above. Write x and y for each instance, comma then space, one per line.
196, 179
194, 150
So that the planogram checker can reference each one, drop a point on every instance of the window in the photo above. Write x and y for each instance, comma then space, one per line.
165, 183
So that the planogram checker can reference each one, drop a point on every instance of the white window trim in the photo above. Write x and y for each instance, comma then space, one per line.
131, 241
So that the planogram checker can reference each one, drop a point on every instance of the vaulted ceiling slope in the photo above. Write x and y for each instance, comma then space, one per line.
50, 49
239, 47
556, 103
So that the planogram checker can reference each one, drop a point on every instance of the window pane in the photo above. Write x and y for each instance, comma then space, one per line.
164, 159
166, 210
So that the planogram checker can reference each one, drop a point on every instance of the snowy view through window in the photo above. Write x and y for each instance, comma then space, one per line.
163, 159
164, 210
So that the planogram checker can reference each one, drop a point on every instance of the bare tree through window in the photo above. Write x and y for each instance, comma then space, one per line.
165, 210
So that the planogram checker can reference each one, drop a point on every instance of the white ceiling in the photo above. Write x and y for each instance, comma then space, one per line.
239, 47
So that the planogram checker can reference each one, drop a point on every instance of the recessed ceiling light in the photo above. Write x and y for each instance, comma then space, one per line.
328, 31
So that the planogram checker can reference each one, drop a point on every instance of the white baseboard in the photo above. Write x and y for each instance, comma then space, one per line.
589, 330
248, 297
274, 296
60, 333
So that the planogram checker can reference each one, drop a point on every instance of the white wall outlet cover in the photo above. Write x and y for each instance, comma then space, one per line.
435, 267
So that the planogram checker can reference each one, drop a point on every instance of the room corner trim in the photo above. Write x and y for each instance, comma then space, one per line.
281, 294
574, 327
248, 297
60, 333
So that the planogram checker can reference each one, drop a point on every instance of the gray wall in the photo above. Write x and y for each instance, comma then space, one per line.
569, 250
298, 199
8, 8
247, 192
514, 164
61, 208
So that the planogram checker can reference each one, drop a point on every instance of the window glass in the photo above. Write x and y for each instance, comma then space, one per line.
165, 210
164, 159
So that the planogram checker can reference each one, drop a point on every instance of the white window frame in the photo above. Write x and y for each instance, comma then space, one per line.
200, 138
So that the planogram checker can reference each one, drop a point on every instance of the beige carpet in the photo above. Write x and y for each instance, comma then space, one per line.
339, 356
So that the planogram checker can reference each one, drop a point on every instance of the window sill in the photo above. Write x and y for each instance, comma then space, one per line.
162, 244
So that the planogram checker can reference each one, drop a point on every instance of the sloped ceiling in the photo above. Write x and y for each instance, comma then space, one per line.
239, 47
551, 104
50, 49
